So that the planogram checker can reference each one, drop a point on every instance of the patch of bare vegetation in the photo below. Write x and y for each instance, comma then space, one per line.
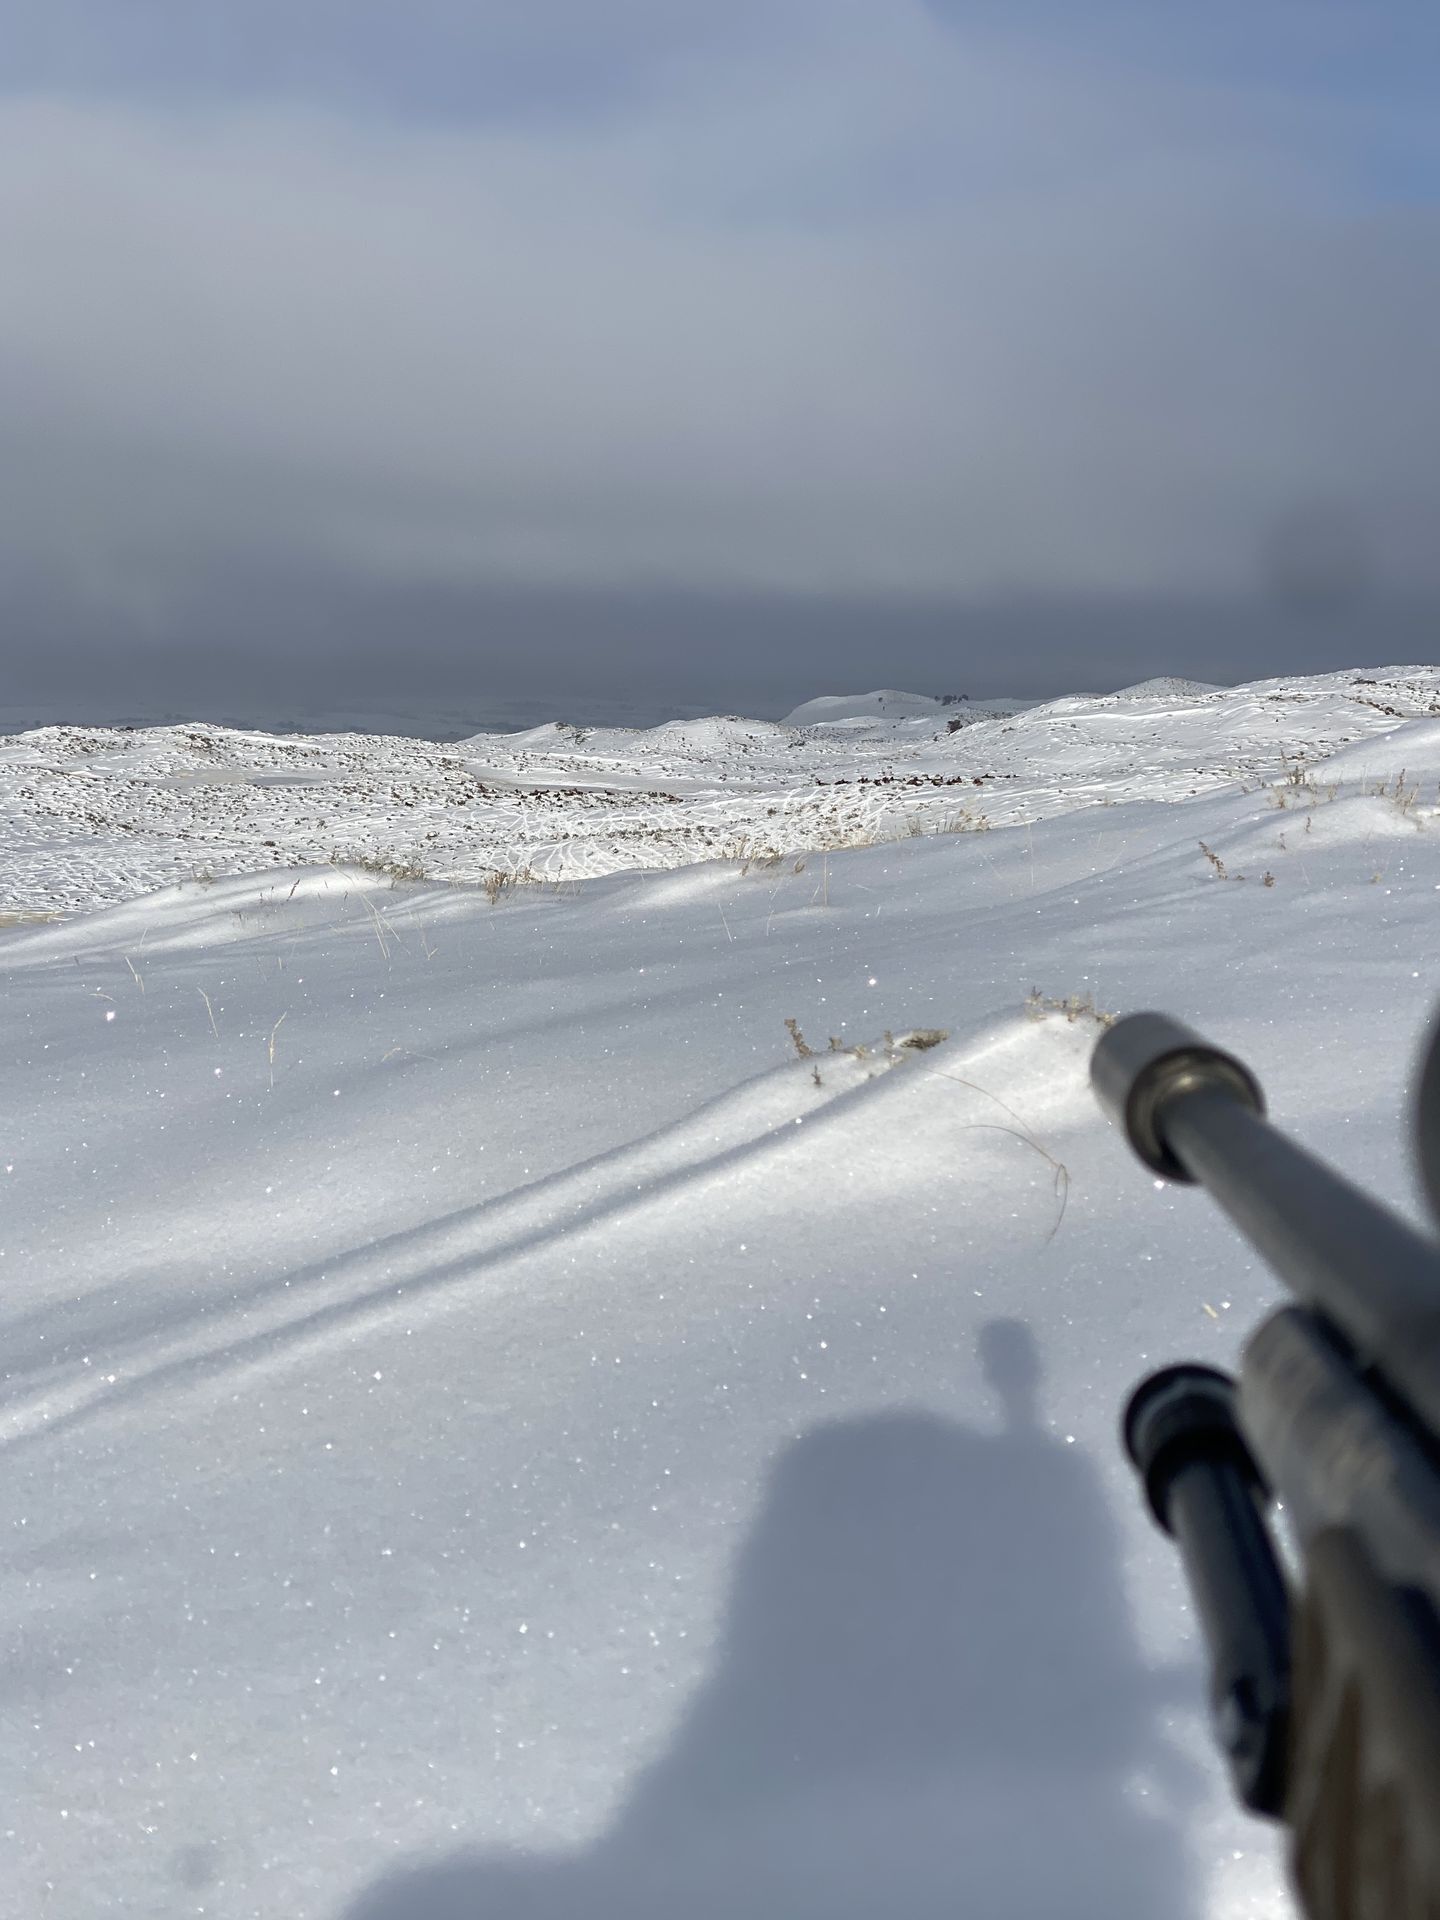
1401, 794
392, 867
1299, 787
1074, 1006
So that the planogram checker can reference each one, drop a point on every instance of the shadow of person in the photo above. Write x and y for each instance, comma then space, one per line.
926, 1701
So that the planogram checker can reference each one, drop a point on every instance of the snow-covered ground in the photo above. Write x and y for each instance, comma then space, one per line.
498, 1421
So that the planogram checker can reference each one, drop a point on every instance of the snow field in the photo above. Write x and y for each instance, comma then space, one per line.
490, 1426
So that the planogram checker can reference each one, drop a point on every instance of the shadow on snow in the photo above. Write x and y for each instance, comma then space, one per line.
926, 1702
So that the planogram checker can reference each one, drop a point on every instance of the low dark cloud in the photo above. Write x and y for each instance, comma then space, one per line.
264, 646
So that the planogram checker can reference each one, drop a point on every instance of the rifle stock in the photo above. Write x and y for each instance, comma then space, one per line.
1363, 1777
1326, 1694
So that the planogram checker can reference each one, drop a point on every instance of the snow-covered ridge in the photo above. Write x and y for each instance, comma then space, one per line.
94, 814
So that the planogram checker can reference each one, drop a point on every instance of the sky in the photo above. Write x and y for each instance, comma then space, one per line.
724, 354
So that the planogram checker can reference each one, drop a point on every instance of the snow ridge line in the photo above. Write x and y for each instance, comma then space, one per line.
716, 1140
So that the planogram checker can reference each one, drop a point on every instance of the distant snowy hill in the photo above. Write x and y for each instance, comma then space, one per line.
884, 704
97, 815
1166, 686
599, 1398
887, 704
434, 717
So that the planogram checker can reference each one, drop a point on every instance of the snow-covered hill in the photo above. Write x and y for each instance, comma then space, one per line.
1165, 684
889, 706
600, 1399
97, 815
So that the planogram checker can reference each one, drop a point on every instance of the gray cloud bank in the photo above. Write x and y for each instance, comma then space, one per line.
910, 338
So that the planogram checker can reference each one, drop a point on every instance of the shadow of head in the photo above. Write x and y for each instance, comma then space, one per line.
1010, 1362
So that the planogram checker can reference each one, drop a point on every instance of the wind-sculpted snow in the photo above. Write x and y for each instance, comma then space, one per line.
599, 1403
97, 815
383, 1284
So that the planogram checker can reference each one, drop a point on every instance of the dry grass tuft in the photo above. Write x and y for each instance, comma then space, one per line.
1074, 1006
802, 1045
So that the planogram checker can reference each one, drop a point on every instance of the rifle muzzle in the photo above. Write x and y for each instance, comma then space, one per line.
1145, 1061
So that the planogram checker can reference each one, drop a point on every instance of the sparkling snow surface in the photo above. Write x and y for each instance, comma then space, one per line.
490, 1428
